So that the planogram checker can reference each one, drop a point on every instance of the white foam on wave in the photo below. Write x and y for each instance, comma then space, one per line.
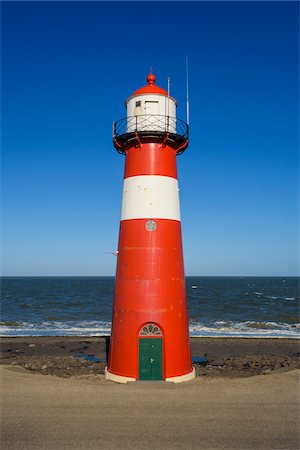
280, 297
246, 329
69, 328
103, 328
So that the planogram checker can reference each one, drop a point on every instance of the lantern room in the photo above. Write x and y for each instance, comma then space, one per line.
151, 108
150, 112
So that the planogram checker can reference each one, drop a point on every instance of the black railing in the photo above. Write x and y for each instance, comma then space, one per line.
150, 123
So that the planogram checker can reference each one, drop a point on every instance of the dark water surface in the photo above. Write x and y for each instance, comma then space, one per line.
218, 306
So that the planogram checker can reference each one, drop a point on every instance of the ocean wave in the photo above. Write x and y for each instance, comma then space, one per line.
246, 329
279, 297
103, 328
68, 328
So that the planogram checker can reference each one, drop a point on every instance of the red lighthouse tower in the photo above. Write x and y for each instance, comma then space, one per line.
150, 335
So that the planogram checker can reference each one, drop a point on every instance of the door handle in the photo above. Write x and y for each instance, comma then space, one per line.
151, 360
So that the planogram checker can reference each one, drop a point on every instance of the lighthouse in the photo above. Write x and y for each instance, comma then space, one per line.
150, 334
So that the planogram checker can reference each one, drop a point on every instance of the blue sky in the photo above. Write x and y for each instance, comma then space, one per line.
67, 68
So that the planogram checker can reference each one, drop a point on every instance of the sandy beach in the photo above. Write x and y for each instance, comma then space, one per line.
47, 412
251, 403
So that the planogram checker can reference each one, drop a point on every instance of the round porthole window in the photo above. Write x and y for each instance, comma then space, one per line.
151, 225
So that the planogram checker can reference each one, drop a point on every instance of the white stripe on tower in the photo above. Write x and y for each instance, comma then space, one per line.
150, 196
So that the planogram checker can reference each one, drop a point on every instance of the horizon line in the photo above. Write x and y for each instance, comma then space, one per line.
113, 276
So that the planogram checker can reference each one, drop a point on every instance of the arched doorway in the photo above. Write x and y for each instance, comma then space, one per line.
150, 352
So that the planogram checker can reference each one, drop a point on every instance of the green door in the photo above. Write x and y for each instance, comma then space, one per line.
150, 359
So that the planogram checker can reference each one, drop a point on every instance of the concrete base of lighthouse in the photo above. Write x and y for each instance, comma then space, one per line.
119, 379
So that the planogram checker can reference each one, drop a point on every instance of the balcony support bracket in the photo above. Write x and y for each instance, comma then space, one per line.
138, 139
164, 143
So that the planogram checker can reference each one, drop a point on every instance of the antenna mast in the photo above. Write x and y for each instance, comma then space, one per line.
168, 106
187, 91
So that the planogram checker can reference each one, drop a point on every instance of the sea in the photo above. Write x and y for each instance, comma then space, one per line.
218, 306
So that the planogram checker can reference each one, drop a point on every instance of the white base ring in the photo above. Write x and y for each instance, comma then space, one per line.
116, 378
186, 377
120, 379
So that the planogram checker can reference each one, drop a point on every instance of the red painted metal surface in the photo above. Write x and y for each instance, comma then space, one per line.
150, 287
151, 159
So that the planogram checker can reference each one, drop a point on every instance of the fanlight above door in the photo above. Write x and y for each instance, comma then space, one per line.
150, 330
